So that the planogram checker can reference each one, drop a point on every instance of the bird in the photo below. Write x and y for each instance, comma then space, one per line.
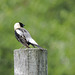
23, 36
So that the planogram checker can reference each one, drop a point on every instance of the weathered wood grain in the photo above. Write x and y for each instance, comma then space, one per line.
30, 61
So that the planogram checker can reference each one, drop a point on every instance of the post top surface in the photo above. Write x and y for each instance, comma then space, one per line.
30, 49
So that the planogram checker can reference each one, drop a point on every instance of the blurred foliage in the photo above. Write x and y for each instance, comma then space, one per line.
50, 22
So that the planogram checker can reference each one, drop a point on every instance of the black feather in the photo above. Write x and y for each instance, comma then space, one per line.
21, 39
39, 47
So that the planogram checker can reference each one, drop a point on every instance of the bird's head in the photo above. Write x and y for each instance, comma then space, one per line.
18, 25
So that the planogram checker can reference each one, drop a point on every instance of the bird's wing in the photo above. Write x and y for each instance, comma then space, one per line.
20, 37
24, 33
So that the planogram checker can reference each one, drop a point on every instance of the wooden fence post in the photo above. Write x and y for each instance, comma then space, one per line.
30, 61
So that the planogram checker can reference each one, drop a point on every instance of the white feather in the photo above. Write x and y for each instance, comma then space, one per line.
19, 32
32, 41
17, 25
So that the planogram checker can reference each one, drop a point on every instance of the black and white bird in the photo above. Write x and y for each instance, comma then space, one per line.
23, 36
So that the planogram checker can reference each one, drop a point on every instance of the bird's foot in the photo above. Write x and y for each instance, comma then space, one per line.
22, 47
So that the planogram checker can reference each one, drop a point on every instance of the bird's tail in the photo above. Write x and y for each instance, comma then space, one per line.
39, 47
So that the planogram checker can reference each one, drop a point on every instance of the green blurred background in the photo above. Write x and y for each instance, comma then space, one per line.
50, 22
